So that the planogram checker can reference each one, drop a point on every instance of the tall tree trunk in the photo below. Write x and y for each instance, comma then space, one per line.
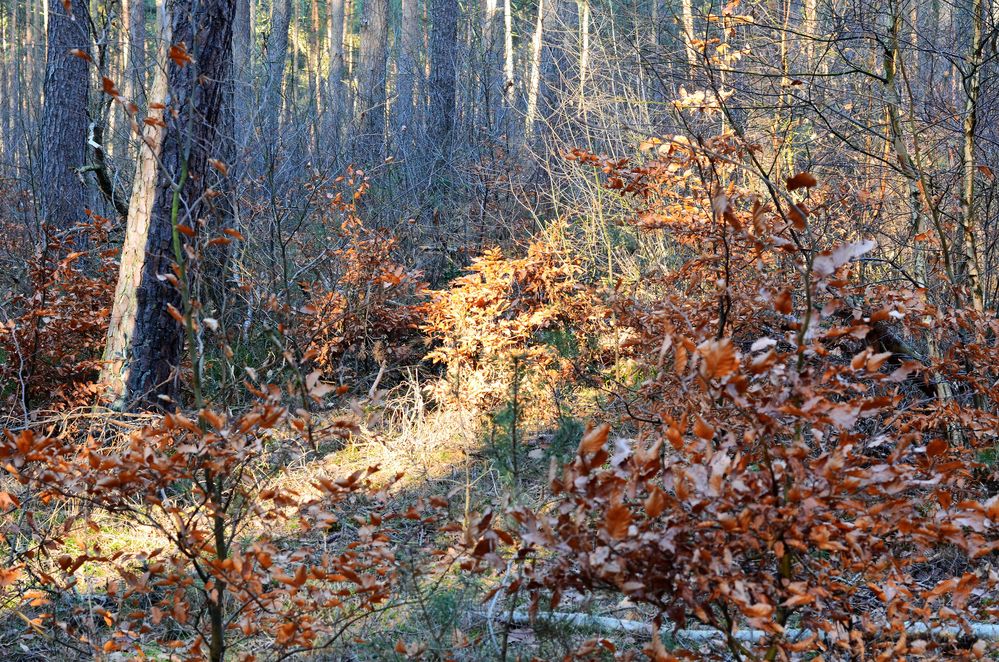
135, 62
534, 84
338, 101
173, 173
443, 57
6, 125
687, 27
64, 117
584, 49
315, 53
971, 258
277, 54
242, 64
372, 69
492, 57
550, 63
509, 76
407, 70
18, 78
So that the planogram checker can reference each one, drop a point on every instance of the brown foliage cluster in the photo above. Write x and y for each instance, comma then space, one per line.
54, 345
499, 311
793, 466
363, 307
229, 569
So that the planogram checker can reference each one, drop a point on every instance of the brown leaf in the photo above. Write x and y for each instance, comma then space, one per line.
719, 358
936, 448
594, 439
801, 180
618, 520
179, 55
782, 302
655, 503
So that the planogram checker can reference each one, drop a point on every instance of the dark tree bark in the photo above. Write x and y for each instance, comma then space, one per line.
242, 43
338, 94
443, 56
277, 54
372, 70
64, 116
145, 341
407, 73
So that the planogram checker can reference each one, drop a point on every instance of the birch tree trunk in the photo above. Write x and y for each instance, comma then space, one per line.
971, 257
584, 50
534, 84
492, 56
64, 116
6, 126
143, 353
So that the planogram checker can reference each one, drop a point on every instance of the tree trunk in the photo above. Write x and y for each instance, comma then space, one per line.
338, 101
534, 84
242, 64
492, 57
509, 80
135, 63
173, 173
315, 51
6, 125
277, 54
551, 66
584, 50
407, 69
64, 116
442, 91
687, 20
371, 73
971, 258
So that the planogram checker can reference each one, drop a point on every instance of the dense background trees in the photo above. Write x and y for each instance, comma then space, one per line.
688, 303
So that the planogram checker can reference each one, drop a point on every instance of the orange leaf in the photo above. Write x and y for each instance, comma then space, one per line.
618, 520
179, 55
703, 430
936, 448
594, 439
782, 302
719, 358
655, 503
801, 180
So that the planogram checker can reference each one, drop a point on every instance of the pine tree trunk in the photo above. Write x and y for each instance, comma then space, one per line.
242, 59
509, 77
6, 123
338, 99
371, 73
143, 353
404, 113
277, 54
442, 84
64, 116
